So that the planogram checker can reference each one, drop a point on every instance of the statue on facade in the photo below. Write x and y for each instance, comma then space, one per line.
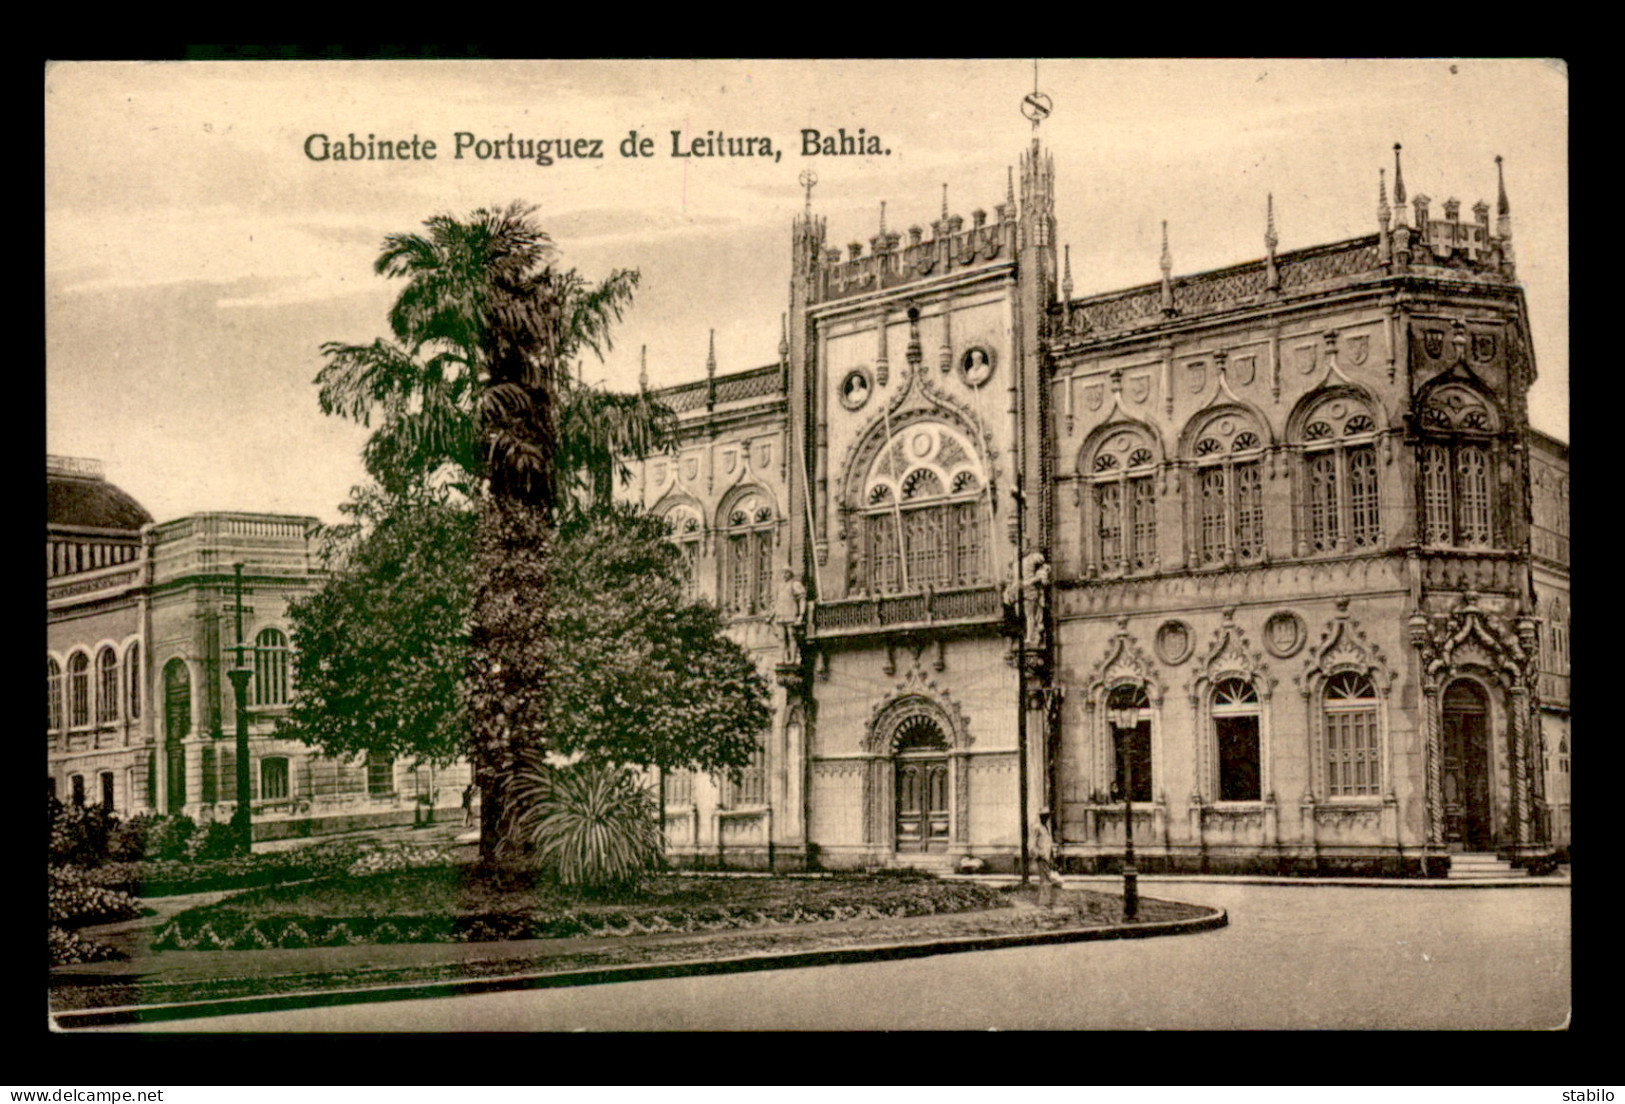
790, 612
1031, 589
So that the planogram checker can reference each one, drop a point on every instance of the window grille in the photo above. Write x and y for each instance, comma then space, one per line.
1365, 525
274, 779
1249, 511
1323, 502
680, 787
934, 512
1214, 544
1473, 496
271, 668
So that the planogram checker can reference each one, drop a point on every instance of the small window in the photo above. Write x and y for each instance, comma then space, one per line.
271, 668
380, 774
79, 690
132, 673
1128, 709
78, 782
273, 779
107, 789
53, 695
680, 787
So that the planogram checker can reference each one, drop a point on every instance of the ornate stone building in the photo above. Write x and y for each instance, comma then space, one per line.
1296, 564
139, 629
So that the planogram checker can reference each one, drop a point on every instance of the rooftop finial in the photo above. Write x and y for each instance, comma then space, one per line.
944, 201
711, 356
1502, 208
882, 218
1399, 188
1066, 278
807, 179
643, 368
1384, 246
1010, 188
1270, 240
1167, 270
784, 338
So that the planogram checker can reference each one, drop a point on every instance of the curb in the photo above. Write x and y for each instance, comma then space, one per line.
1282, 880
604, 975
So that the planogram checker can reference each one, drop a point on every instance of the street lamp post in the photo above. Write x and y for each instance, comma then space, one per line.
242, 815
1131, 877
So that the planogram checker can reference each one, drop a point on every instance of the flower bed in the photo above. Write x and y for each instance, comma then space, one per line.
69, 947
74, 902
447, 905
164, 878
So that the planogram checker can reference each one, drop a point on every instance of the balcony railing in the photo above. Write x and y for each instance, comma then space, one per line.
855, 616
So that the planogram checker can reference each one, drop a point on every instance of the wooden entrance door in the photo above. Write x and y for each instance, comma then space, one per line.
922, 804
1465, 770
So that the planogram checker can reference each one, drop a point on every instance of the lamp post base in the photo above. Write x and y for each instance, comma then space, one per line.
1131, 891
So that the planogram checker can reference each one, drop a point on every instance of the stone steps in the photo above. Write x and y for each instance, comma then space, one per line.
1479, 866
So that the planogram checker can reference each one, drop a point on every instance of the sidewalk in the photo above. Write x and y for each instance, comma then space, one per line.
1557, 879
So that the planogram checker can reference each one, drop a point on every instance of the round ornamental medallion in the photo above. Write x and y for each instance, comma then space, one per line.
1284, 634
855, 389
1174, 642
921, 443
976, 366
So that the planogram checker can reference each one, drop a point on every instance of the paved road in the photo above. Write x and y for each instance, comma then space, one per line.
1292, 957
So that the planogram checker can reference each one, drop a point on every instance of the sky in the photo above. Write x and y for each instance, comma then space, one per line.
200, 249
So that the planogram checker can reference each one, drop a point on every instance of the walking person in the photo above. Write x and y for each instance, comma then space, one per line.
468, 805
1043, 855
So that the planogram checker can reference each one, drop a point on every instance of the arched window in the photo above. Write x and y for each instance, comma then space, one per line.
1353, 763
106, 686
680, 787
686, 531
747, 584
79, 690
1120, 523
1456, 468
1340, 512
1128, 713
924, 494
273, 778
1235, 734
271, 668
1227, 488
132, 674
53, 695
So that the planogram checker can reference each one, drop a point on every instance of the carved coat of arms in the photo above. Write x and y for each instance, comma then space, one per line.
1198, 376
1483, 346
1094, 395
1244, 369
1359, 348
1433, 342
691, 467
1139, 387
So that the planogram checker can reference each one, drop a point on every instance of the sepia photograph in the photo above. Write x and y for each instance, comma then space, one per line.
807, 545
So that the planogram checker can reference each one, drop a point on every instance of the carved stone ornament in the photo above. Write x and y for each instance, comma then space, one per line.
1433, 342
856, 388
1483, 346
764, 454
976, 365
1198, 376
1174, 642
1094, 395
1138, 387
1244, 369
1308, 357
1284, 634
730, 460
1359, 349
691, 468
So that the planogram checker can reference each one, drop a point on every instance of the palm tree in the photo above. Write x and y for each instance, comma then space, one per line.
599, 431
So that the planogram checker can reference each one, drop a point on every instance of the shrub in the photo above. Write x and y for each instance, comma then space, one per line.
128, 842
75, 902
216, 841
79, 834
68, 948
170, 837
399, 857
588, 826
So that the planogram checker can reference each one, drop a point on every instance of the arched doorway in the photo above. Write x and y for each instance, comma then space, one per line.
1465, 771
921, 753
177, 723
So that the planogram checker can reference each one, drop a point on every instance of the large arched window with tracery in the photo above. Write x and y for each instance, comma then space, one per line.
926, 496
747, 562
1339, 485
1227, 489
687, 529
1456, 458
1120, 508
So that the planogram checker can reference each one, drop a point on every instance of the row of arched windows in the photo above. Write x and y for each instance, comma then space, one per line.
747, 539
1336, 501
1350, 747
75, 699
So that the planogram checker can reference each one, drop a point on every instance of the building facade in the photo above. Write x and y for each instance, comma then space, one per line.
141, 625
1294, 564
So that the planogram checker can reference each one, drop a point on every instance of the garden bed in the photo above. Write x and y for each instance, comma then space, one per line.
448, 904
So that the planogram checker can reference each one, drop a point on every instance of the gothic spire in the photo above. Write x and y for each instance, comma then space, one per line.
784, 339
1399, 189
1167, 263
711, 356
643, 368
1272, 278
1384, 248
1066, 278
